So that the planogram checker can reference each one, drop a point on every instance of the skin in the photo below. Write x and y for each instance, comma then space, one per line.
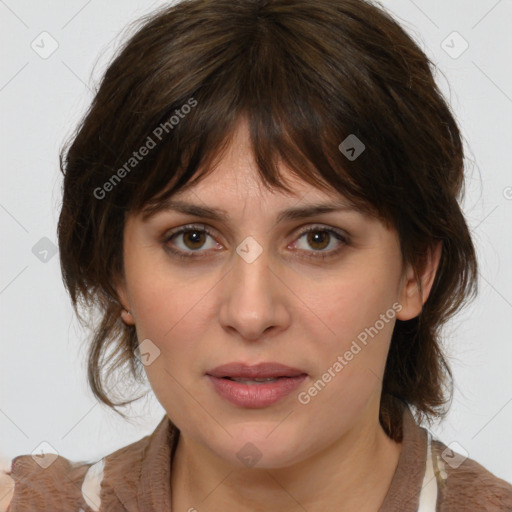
281, 307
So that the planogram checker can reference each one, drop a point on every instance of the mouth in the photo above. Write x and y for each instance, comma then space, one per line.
255, 386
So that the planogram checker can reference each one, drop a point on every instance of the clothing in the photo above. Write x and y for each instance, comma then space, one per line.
136, 478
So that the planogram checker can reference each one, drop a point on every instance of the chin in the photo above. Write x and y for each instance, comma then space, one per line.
261, 446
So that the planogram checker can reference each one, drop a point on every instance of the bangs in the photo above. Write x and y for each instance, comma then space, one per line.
273, 145
279, 84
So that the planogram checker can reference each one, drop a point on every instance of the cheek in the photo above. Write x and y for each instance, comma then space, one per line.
355, 303
171, 315
172, 310
359, 315
163, 298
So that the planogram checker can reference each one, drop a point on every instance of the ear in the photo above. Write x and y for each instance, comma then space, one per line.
410, 297
126, 315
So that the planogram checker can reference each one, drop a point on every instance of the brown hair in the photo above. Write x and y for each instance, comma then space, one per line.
306, 74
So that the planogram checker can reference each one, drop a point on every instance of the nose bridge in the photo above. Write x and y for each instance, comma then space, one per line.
250, 275
250, 302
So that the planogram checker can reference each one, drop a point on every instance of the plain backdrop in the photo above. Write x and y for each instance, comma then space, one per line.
53, 54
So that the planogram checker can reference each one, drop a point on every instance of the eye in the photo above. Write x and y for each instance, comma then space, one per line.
320, 238
192, 239
187, 241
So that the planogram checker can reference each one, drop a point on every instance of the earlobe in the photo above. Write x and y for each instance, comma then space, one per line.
126, 315
410, 297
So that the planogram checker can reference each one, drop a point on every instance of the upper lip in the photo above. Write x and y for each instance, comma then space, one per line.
258, 371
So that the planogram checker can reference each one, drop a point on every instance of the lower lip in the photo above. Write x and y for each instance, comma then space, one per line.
255, 395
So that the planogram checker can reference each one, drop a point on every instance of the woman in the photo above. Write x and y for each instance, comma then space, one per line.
262, 203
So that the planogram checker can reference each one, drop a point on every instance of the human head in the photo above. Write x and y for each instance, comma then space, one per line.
306, 75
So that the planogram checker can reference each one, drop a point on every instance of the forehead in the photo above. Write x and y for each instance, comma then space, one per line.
235, 175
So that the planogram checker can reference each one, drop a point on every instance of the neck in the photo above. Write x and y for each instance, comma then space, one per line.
354, 473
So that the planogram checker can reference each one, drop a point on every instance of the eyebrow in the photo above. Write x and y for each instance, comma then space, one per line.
220, 215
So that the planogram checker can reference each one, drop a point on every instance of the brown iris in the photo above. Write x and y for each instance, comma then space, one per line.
314, 238
196, 237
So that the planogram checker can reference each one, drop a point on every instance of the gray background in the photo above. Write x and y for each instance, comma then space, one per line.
43, 392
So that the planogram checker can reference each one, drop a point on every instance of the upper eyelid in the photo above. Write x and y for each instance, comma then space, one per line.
206, 227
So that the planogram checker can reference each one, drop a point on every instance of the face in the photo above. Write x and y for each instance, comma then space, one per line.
250, 288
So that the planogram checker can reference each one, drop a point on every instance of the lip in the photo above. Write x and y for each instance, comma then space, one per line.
260, 370
255, 395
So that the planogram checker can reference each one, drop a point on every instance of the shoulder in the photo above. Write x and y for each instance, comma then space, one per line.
47, 481
52, 482
464, 484
6, 484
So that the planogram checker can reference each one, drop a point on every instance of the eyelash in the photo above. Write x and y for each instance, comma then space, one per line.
316, 255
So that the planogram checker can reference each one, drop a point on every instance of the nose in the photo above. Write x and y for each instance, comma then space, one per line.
254, 298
